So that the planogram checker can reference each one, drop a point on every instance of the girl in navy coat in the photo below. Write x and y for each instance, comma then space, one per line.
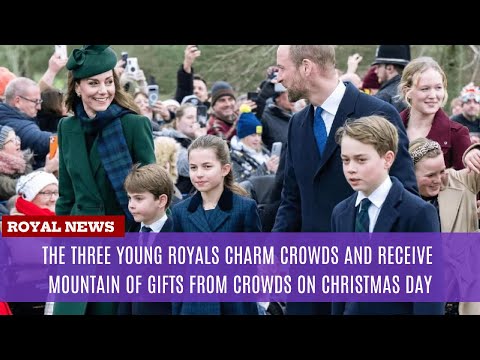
218, 205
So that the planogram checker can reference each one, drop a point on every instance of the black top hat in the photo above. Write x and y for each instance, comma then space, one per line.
392, 54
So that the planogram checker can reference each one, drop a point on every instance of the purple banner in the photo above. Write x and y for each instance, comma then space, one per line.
221, 267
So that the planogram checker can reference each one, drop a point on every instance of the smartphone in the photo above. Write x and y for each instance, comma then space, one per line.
132, 66
152, 94
276, 149
62, 51
53, 146
124, 58
252, 95
202, 115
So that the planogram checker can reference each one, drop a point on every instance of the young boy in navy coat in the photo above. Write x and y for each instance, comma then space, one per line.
150, 190
368, 148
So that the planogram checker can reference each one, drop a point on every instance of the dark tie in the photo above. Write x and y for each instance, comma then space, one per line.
319, 130
145, 229
362, 221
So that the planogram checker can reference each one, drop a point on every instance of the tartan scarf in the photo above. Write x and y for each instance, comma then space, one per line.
112, 146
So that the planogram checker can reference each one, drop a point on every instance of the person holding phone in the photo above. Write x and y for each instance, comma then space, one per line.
98, 146
155, 113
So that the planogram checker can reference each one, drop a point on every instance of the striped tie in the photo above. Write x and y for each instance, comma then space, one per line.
362, 221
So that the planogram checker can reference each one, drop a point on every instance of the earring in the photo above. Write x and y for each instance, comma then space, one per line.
78, 94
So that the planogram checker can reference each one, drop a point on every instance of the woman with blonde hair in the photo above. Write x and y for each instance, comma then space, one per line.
423, 87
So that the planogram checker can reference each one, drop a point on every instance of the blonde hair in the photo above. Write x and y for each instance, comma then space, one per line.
373, 130
411, 75
166, 151
180, 112
222, 153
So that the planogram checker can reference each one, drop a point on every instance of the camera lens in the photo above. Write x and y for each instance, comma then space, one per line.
132, 69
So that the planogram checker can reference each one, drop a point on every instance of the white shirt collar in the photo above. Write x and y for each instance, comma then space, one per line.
378, 196
157, 225
333, 101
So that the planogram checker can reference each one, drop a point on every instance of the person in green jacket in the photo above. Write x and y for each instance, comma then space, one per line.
98, 146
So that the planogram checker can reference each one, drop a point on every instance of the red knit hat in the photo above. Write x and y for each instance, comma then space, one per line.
5, 77
370, 80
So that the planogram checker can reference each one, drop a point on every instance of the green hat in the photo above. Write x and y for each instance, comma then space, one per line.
91, 60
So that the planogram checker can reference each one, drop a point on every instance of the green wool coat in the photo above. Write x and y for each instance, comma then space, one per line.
84, 186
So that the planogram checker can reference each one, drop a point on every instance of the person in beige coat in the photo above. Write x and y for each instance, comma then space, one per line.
452, 192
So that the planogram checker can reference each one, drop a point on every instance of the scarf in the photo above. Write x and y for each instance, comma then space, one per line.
28, 208
112, 146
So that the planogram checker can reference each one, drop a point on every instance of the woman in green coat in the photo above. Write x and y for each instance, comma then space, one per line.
97, 147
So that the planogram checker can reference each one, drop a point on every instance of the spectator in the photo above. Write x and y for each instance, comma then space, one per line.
223, 120
249, 156
390, 61
424, 88
187, 82
37, 194
276, 116
5, 77
19, 111
470, 111
53, 109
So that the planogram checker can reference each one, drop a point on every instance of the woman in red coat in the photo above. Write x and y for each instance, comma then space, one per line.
424, 88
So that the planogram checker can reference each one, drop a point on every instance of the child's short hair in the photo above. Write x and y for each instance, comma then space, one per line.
373, 130
151, 178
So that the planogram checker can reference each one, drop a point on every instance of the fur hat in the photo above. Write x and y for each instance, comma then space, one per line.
5, 77
248, 124
392, 54
219, 89
91, 60
4, 131
31, 184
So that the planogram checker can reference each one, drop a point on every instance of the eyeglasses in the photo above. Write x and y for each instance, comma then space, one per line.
36, 101
15, 139
48, 193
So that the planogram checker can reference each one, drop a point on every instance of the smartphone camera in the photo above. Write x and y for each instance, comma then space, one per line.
124, 58
132, 65
202, 115
252, 95
152, 94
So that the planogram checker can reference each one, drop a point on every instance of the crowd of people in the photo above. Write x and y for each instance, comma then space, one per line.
207, 161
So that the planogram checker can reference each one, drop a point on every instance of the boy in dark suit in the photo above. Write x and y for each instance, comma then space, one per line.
380, 203
150, 190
